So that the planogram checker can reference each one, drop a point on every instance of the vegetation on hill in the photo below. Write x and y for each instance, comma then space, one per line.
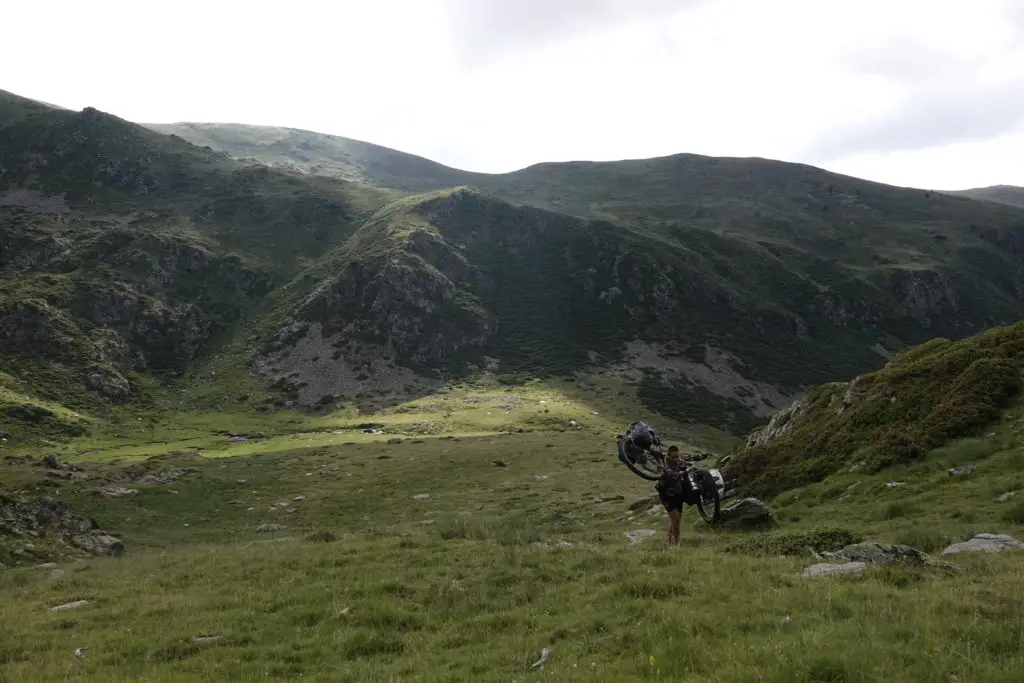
718, 289
1002, 194
926, 397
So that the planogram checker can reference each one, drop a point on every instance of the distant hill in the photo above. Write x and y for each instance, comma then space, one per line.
718, 289
1003, 194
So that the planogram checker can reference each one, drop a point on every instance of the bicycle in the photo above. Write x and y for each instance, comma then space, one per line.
706, 485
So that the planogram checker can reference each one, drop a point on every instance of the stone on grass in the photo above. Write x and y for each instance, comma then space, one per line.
268, 528
989, 543
829, 569
639, 535
69, 605
746, 513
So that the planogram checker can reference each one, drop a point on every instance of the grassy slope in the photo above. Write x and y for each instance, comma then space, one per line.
824, 237
471, 596
1003, 194
925, 397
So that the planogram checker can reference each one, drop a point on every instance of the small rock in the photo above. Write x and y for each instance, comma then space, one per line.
241, 481
545, 655
540, 477
69, 605
639, 535
79, 654
394, 441
827, 569
426, 522
48, 565
57, 574
206, 640
989, 543
119, 492
745, 513
563, 544
499, 463
893, 484
1006, 496
172, 491
420, 496
267, 528
961, 471
299, 498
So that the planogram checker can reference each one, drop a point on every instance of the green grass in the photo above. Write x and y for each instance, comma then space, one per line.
357, 586
926, 397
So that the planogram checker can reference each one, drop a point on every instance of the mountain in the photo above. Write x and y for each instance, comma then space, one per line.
717, 290
923, 399
1002, 194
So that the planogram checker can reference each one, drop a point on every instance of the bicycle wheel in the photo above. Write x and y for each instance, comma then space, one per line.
646, 464
709, 502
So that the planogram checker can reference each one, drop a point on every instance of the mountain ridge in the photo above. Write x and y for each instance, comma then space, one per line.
717, 290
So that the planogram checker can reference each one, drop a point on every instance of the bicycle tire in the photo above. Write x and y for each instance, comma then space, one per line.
709, 500
638, 471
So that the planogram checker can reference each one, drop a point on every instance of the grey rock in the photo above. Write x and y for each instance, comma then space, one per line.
118, 492
99, 544
206, 640
989, 543
872, 554
268, 528
110, 384
828, 569
420, 496
639, 535
69, 605
1006, 496
746, 513
961, 471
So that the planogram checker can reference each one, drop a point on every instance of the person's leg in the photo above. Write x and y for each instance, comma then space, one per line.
673, 525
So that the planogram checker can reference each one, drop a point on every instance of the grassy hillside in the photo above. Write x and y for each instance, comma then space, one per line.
924, 398
1002, 194
468, 582
141, 266
319, 154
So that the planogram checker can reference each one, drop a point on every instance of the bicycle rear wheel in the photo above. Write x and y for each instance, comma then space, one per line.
709, 502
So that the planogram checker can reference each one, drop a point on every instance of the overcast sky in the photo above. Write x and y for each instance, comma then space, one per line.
927, 93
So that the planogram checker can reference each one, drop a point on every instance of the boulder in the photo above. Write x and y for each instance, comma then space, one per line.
989, 543
110, 384
746, 513
873, 554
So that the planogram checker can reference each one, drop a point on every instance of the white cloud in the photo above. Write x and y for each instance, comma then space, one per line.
915, 92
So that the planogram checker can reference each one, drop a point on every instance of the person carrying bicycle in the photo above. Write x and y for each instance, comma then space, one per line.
672, 492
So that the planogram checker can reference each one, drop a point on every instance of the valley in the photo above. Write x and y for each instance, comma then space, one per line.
289, 406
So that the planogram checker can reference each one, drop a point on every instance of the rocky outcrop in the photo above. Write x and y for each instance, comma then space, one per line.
922, 295
110, 384
48, 517
780, 423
